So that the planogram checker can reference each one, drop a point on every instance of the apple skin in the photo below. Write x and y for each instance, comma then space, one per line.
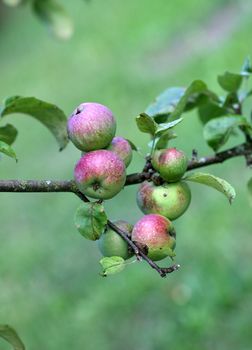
111, 244
100, 174
157, 233
170, 200
91, 126
122, 148
170, 163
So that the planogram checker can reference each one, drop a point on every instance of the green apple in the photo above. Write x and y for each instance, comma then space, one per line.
111, 244
170, 200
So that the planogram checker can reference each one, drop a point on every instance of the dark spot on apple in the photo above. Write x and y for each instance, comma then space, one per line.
79, 110
165, 195
96, 186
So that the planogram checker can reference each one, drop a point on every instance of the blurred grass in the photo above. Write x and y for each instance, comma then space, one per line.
50, 290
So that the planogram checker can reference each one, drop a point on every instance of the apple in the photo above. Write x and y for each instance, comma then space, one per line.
170, 163
170, 200
111, 244
157, 234
91, 126
122, 148
100, 174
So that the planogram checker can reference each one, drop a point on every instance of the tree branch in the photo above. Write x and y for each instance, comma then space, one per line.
47, 186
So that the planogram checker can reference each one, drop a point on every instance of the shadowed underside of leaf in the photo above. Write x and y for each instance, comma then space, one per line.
215, 182
217, 131
8, 134
112, 265
7, 150
90, 220
250, 191
48, 114
11, 336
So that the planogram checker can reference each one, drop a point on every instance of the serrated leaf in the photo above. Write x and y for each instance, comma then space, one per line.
112, 265
215, 182
250, 191
197, 86
48, 114
146, 124
217, 131
7, 150
55, 17
11, 336
166, 102
230, 82
8, 134
90, 220
210, 111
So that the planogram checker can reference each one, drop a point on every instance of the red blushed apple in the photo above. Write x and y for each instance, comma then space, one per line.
100, 174
156, 233
122, 148
170, 163
92, 126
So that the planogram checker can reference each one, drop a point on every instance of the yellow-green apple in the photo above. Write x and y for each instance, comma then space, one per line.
111, 244
170, 199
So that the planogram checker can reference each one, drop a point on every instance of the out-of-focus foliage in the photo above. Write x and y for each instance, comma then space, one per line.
51, 290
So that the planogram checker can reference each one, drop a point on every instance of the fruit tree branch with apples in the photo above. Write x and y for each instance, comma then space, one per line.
101, 172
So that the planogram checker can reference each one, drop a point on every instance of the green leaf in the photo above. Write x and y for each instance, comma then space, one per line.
55, 17
8, 134
250, 191
196, 87
6, 149
230, 82
48, 114
217, 131
246, 67
90, 220
162, 141
146, 124
112, 265
132, 145
215, 182
166, 102
210, 111
11, 336
163, 127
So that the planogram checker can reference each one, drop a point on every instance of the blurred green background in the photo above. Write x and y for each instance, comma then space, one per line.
122, 54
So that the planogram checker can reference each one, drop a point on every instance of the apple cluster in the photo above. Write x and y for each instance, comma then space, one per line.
100, 173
